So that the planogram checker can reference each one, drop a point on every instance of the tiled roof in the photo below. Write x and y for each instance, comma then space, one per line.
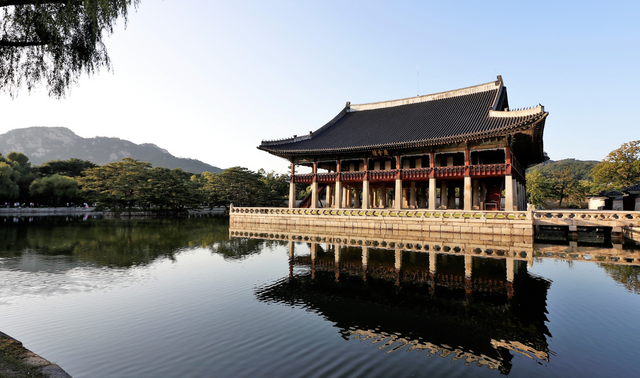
633, 188
448, 117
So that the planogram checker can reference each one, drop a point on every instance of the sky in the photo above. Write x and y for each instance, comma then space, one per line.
210, 80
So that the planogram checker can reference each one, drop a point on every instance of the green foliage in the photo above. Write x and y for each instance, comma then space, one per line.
54, 190
242, 187
538, 188
54, 41
71, 168
115, 185
621, 168
18, 157
560, 186
628, 276
581, 170
169, 189
564, 185
9, 189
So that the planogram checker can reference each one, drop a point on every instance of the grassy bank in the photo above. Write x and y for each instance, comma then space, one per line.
12, 360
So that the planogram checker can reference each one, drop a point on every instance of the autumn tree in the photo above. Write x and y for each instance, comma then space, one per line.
620, 169
55, 41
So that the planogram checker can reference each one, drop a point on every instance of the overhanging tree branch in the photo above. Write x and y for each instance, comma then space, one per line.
6, 3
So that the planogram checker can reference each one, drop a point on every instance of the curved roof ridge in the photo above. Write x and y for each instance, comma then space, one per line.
430, 97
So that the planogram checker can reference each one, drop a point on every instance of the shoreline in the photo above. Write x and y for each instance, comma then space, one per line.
30, 359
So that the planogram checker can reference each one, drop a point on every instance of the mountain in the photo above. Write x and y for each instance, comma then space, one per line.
42, 144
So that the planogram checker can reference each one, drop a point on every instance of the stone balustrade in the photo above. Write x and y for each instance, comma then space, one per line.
502, 223
617, 220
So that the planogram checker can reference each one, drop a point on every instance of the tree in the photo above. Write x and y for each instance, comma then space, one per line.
277, 187
55, 41
538, 188
621, 168
116, 184
564, 185
170, 189
54, 190
73, 167
238, 186
8, 182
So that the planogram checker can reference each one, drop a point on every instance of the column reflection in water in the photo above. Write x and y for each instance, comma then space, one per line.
445, 301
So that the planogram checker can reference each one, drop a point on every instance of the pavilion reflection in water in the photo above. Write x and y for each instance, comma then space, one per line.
479, 306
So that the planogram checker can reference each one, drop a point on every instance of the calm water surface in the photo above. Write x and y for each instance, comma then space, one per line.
179, 298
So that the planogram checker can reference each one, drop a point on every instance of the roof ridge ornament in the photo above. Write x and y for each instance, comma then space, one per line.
425, 98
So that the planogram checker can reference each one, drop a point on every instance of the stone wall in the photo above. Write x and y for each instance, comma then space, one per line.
481, 223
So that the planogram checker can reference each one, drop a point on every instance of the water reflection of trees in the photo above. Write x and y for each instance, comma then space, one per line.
121, 243
627, 275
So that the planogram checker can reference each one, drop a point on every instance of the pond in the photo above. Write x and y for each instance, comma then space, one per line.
181, 298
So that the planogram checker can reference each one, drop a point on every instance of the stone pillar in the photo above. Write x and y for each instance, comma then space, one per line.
509, 199
432, 193
314, 195
433, 258
423, 196
384, 196
375, 199
365, 256
292, 194
443, 194
292, 249
398, 259
365, 194
483, 194
356, 199
468, 193
329, 198
510, 271
451, 193
412, 195
313, 251
398, 200
338, 195
468, 265
474, 193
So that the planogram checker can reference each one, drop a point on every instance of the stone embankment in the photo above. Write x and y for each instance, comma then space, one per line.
28, 362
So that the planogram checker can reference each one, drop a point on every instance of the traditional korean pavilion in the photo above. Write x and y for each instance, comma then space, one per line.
462, 149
